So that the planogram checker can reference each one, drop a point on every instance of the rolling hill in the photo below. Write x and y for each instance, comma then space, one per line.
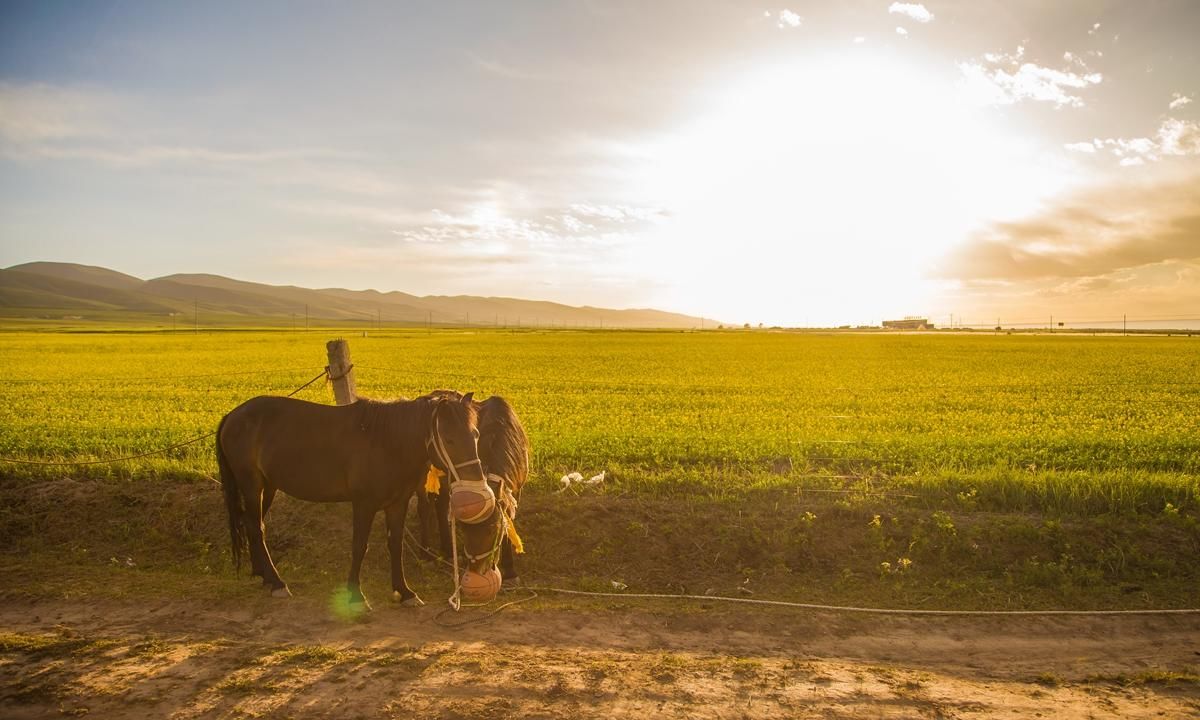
54, 290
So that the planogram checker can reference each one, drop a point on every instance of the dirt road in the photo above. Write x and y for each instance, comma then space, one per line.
298, 658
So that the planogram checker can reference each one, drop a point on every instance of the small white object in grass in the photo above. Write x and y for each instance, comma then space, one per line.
618, 585
577, 479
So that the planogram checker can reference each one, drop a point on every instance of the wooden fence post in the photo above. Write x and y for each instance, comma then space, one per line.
341, 371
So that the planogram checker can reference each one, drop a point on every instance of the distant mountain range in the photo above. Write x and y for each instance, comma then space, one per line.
54, 290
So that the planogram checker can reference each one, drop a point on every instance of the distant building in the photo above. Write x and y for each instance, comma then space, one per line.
908, 323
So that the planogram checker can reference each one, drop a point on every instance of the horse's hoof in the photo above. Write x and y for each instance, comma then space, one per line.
510, 583
411, 602
281, 592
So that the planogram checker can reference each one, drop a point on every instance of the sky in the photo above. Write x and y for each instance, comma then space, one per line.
810, 163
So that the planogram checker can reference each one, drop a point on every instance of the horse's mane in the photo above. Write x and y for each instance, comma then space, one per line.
503, 445
391, 417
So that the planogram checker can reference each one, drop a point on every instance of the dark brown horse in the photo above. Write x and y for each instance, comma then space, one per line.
504, 452
370, 453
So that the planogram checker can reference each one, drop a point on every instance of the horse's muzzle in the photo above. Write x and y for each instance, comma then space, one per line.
472, 501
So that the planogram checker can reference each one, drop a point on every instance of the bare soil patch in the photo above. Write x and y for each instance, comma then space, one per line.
278, 659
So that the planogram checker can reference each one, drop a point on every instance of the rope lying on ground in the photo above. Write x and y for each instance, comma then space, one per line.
850, 608
535, 589
160, 451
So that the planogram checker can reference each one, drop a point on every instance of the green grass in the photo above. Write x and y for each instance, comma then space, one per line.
1007, 470
658, 401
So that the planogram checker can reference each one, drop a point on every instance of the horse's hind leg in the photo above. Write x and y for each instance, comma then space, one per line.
364, 515
260, 558
396, 513
268, 497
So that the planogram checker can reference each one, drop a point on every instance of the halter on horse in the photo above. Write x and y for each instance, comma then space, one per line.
473, 502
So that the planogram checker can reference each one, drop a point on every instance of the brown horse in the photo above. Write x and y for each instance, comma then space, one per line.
370, 453
504, 452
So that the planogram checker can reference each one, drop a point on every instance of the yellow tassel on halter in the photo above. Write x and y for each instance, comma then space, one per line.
433, 481
510, 529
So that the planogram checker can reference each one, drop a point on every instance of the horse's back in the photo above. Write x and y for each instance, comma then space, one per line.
306, 449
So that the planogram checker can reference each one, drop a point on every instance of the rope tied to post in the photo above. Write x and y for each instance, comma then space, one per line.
345, 372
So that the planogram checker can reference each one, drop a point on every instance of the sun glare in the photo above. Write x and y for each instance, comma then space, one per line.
800, 173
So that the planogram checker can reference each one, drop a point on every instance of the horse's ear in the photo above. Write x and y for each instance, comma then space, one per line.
467, 398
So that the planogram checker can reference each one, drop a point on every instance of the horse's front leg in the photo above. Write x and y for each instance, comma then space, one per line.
364, 515
442, 507
508, 570
396, 513
427, 520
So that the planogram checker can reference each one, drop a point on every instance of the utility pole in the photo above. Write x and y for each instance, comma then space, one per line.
1124, 320
293, 321
195, 316
1051, 324
305, 317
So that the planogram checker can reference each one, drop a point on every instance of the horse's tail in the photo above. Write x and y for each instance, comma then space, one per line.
233, 503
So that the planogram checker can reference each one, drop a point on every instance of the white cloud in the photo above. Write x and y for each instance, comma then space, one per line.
1178, 100
901, 31
916, 11
788, 19
618, 213
1094, 29
859, 40
1179, 137
493, 224
1003, 79
1174, 138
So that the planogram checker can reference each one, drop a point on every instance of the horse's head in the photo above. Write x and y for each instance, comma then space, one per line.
454, 437
472, 497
